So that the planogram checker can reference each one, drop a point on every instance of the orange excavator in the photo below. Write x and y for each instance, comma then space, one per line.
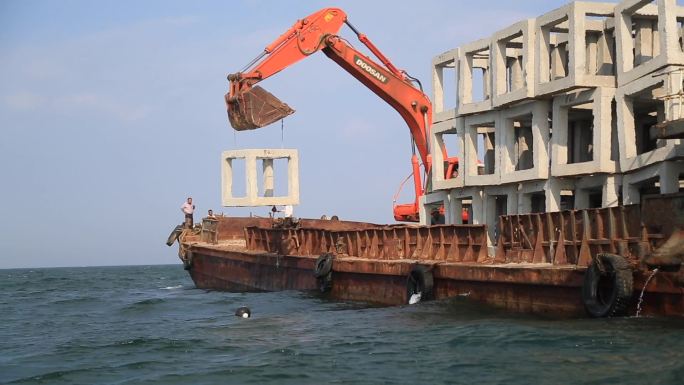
250, 106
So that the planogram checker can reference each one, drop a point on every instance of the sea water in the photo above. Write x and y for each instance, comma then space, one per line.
150, 325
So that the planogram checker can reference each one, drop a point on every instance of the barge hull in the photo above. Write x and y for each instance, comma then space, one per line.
532, 269
554, 291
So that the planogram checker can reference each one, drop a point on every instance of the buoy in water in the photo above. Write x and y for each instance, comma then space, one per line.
415, 298
243, 312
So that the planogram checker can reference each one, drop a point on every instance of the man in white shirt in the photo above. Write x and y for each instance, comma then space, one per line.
188, 209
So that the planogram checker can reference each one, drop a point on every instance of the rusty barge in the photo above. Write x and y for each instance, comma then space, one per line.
543, 263
555, 186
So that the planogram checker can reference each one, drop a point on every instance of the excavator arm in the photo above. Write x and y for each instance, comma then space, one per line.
250, 106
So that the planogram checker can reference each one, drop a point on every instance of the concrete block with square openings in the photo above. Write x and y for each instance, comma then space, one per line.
584, 133
573, 48
475, 85
648, 37
445, 77
259, 191
640, 106
448, 136
513, 63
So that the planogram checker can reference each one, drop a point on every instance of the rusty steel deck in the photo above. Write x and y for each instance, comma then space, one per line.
537, 265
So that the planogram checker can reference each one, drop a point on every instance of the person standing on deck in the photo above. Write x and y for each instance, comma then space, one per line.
188, 209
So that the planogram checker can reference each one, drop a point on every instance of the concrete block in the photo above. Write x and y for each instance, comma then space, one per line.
475, 56
485, 125
497, 201
513, 63
255, 196
447, 61
673, 99
524, 132
440, 198
663, 177
583, 126
454, 131
474, 196
568, 42
638, 108
532, 196
643, 44
607, 184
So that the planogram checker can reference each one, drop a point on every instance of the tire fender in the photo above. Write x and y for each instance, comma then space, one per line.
419, 281
323, 265
175, 233
608, 286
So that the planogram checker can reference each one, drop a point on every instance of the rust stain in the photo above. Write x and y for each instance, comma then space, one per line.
538, 264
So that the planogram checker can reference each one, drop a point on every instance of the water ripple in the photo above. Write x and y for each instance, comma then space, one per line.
149, 325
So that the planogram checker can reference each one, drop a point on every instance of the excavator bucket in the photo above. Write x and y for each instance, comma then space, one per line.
255, 108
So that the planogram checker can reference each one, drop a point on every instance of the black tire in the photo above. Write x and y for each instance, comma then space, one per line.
174, 235
419, 280
323, 265
607, 292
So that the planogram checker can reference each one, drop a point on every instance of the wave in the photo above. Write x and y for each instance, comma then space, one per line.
66, 301
143, 304
172, 287
148, 301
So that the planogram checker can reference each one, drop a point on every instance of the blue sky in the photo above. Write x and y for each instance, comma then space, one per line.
112, 112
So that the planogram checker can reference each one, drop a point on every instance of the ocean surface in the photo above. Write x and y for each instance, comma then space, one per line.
149, 325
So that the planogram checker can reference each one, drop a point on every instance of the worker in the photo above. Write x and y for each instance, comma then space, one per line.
188, 209
287, 211
210, 214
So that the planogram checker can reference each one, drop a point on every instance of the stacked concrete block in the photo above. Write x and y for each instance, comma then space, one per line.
482, 162
475, 65
661, 177
648, 37
448, 61
583, 125
568, 100
524, 142
496, 201
639, 106
573, 48
513, 63
447, 130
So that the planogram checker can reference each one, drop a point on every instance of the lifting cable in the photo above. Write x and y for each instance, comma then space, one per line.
282, 133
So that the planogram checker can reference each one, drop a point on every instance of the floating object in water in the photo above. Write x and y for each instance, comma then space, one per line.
243, 312
419, 285
415, 298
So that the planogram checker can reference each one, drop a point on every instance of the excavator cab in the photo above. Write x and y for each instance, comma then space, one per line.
255, 108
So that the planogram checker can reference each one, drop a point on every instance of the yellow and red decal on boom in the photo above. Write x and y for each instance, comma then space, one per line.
328, 16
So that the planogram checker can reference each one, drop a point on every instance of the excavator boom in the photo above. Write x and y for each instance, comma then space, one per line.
250, 107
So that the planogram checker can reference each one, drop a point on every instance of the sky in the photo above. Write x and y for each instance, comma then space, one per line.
112, 113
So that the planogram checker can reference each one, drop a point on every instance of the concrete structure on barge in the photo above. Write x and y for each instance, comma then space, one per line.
558, 109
